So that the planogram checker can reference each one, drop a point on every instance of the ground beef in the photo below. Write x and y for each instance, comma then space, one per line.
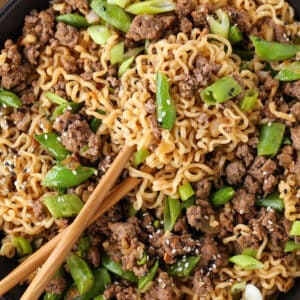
243, 202
295, 110
292, 89
239, 17
198, 216
170, 246
203, 188
13, 72
76, 135
155, 127
226, 219
295, 136
199, 15
212, 256
39, 210
149, 27
150, 106
188, 87
204, 70
252, 186
56, 286
263, 170
244, 153
73, 5
21, 119
296, 168
93, 256
164, 288
28, 97
184, 8
286, 158
202, 284
181, 225
113, 81
235, 172
185, 25
248, 241
67, 35
123, 245
266, 84
121, 291
37, 31
280, 34
100, 226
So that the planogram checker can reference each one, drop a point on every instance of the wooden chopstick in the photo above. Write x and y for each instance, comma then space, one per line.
73, 232
35, 260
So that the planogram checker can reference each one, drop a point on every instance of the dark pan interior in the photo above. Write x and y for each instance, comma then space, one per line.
11, 21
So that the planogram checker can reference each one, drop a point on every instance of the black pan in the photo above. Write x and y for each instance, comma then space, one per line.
11, 21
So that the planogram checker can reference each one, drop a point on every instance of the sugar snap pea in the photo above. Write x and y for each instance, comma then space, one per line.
52, 143
184, 267
112, 14
143, 282
74, 20
9, 99
221, 91
81, 273
22, 246
273, 51
64, 206
151, 7
61, 176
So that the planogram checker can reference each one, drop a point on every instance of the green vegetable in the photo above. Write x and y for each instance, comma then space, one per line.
116, 53
188, 203
286, 141
99, 34
133, 52
156, 224
9, 99
22, 246
295, 230
73, 107
221, 91
291, 246
64, 177
186, 191
121, 3
289, 72
112, 14
249, 100
99, 297
143, 260
83, 244
165, 107
132, 211
221, 25
64, 206
73, 20
116, 269
222, 196
249, 252
140, 156
52, 143
238, 287
95, 123
235, 34
272, 200
81, 273
56, 99
144, 281
151, 7
273, 51
172, 210
125, 66
51, 296
270, 139
101, 280
184, 267
246, 262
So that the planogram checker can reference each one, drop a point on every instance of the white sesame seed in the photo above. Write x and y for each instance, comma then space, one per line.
174, 251
241, 211
186, 265
270, 222
269, 124
46, 137
167, 242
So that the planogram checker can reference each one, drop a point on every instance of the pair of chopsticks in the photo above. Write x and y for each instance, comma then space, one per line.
57, 249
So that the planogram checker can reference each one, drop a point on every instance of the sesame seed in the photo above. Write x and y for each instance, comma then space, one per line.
167, 242
186, 265
270, 124
270, 222
264, 172
174, 251
180, 269
46, 137
241, 211
206, 217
